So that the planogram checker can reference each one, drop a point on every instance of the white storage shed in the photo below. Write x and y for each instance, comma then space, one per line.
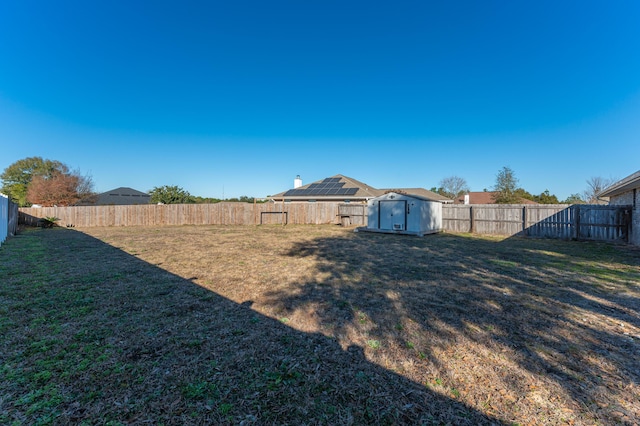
397, 213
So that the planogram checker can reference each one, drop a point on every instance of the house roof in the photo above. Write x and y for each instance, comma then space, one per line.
627, 184
485, 197
340, 187
121, 196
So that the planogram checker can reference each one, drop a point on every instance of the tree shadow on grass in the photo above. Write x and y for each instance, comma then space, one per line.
92, 334
538, 313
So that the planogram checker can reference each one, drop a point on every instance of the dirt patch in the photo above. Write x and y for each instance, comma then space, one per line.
316, 325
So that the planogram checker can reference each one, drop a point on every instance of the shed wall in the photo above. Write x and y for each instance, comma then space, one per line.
422, 216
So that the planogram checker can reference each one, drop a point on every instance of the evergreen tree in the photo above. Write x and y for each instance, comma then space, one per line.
506, 187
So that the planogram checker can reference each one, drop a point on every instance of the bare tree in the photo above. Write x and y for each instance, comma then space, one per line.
453, 186
595, 185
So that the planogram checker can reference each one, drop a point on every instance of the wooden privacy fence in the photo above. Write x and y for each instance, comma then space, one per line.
582, 222
352, 214
186, 214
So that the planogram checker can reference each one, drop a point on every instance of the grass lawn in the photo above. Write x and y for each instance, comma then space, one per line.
315, 325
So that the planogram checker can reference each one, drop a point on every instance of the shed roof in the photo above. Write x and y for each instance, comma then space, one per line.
620, 187
393, 194
423, 193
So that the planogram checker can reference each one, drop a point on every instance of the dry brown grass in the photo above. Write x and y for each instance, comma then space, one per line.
317, 325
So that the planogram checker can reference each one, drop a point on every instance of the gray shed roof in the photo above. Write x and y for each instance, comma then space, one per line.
401, 194
422, 193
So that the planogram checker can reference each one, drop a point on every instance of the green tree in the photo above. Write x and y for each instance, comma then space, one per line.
18, 177
205, 200
574, 199
546, 198
438, 190
505, 187
521, 193
170, 195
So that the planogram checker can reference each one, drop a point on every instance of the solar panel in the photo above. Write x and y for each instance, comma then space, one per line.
334, 187
298, 192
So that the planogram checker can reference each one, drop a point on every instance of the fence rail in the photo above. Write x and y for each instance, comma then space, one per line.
588, 222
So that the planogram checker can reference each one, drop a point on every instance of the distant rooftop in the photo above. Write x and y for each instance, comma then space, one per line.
340, 187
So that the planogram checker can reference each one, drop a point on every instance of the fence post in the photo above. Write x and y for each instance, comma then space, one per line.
524, 221
577, 221
472, 225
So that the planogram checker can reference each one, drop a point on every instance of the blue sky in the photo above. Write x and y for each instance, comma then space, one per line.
237, 98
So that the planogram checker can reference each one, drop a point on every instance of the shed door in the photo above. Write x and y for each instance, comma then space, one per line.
392, 215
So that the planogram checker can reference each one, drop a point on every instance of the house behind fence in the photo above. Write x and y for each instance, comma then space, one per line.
627, 192
582, 222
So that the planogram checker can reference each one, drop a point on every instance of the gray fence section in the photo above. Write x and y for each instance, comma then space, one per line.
603, 223
8, 218
582, 222
186, 214
352, 214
